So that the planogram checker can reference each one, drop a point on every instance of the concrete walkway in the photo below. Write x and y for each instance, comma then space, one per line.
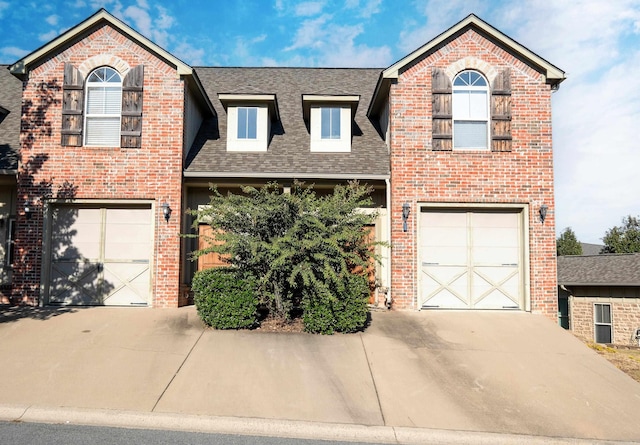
411, 377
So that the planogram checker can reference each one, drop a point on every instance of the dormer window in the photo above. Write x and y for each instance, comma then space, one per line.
330, 125
330, 119
249, 120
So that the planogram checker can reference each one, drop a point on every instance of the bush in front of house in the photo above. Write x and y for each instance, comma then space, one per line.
225, 299
341, 307
306, 253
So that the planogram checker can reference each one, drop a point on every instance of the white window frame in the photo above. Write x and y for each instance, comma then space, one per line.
462, 115
597, 323
331, 144
263, 128
110, 140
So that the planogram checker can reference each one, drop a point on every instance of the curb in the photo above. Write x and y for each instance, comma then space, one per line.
271, 427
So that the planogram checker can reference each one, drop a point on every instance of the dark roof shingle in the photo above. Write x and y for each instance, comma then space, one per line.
288, 150
11, 101
599, 270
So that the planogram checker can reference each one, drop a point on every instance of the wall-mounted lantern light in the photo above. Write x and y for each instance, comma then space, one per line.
406, 209
166, 211
543, 213
27, 210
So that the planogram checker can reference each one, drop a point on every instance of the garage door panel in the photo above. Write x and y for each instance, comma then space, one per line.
444, 219
448, 299
495, 219
496, 255
495, 236
128, 283
444, 256
495, 300
127, 234
76, 233
74, 283
441, 236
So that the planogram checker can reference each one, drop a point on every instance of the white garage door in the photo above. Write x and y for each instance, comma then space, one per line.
471, 259
100, 255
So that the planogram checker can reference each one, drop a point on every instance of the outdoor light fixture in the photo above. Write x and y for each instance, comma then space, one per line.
406, 208
166, 211
543, 213
27, 211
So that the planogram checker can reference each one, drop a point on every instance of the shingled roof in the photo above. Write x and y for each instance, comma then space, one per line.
599, 270
288, 153
11, 102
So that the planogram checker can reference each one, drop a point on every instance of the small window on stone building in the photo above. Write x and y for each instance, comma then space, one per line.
602, 325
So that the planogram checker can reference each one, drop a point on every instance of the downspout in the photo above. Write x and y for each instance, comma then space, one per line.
387, 297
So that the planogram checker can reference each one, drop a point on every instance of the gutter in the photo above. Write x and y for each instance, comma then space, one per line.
346, 176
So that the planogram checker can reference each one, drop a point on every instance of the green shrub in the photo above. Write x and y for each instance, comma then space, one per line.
338, 308
224, 299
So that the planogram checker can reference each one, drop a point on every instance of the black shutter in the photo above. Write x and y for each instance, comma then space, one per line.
501, 112
441, 111
72, 106
131, 131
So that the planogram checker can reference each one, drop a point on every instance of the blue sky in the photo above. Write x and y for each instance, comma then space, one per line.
597, 42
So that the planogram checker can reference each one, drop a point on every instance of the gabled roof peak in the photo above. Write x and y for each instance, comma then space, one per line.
553, 74
21, 67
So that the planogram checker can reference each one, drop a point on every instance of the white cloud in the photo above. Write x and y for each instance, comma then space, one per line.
434, 17
3, 6
13, 52
48, 36
311, 33
369, 8
308, 8
52, 20
330, 44
189, 54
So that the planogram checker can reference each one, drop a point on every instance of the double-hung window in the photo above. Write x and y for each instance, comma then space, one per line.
247, 122
103, 108
330, 123
470, 111
602, 322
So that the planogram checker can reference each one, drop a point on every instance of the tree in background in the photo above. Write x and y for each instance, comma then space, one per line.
568, 244
624, 238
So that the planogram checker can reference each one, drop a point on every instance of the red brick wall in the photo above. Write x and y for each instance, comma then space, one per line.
522, 176
152, 172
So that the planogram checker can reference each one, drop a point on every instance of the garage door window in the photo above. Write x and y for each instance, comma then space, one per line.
602, 316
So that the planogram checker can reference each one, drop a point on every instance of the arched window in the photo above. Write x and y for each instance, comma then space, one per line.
470, 111
103, 108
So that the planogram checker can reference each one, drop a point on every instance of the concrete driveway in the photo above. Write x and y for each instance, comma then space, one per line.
488, 372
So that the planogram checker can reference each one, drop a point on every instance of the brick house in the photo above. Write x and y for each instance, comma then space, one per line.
599, 297
120, 138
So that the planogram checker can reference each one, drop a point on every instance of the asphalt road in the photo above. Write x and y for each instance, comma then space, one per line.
22, 433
